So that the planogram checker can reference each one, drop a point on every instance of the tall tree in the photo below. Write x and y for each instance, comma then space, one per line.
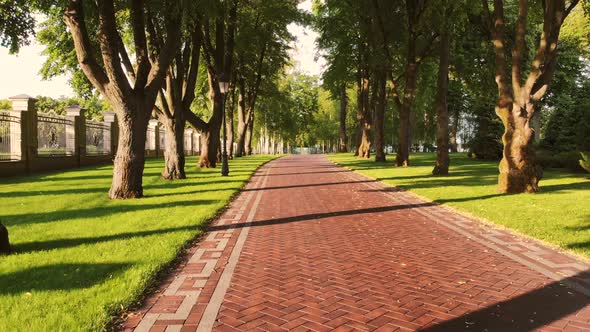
262, 42
342, 136
217, 30
176, 97
518, 96
132, 100
441, 166
419, 38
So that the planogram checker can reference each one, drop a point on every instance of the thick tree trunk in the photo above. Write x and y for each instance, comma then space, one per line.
342, 133
4, 241
242, 122
358, 137
441, 166
364, 150
365, 146
379, 123
241, 140
210, 144
519, 171
174, 159
208, 157
403, 149
130, 158
405, 125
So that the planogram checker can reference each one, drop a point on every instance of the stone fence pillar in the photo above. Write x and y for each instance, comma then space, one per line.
76, 131
188, 141
24, 129
153, 139
111, 138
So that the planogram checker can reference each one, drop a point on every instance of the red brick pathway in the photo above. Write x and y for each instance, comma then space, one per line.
309, 246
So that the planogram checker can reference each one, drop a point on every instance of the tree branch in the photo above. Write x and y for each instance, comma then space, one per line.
139, 38
75, 20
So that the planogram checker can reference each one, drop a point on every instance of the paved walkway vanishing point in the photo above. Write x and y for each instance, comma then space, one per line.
309, 246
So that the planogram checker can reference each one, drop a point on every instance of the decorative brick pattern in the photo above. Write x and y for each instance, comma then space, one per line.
182, 301
309, 246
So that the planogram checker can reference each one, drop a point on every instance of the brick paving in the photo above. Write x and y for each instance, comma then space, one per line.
310, 246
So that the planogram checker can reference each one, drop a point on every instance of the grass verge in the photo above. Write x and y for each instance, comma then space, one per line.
82, 259
559, 214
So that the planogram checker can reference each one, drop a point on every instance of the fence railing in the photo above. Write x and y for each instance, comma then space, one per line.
10, 137
33, 141
55, 135
98, 138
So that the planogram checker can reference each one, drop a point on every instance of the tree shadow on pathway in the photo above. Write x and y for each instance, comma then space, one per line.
525, 312
316, 216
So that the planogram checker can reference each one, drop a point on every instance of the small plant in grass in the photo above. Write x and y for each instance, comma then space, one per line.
585, 161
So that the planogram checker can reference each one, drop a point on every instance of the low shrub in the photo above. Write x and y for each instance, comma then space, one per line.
568, 160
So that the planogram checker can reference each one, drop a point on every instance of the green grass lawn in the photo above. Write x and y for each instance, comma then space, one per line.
559, 214
81, 258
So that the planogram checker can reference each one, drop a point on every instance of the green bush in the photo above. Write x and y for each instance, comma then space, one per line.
568, 160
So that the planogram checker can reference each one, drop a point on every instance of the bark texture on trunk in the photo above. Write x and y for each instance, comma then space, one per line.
380, 105
405, 125
248, 136
229, 124
174, 159
4, 241
364, 116
129, 161
342, 132
131, 90
210, 136
518, 95
243, 119
441, 166
519, 170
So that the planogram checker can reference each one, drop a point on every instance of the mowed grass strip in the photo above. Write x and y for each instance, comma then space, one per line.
559, 214
81, 258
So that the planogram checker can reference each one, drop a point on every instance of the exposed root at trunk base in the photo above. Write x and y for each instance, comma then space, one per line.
516, 181
174, 174
440, 170
125, 194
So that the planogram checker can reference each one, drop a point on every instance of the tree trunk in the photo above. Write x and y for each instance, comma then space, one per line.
379, 123
130, 158
174, 159
343, 104
210, 137
442, 116
248, 136
4, 241
453, 132
242, 121
229, 124
364, 150
519, 171
403, 149
405, 125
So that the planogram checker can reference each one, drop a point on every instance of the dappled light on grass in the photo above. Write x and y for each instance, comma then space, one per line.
559, 214
80, 257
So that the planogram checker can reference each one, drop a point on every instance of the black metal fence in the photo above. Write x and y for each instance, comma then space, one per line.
98, 138
53, 136
9, 137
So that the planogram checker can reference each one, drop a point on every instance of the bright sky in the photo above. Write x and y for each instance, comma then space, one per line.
20, 73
